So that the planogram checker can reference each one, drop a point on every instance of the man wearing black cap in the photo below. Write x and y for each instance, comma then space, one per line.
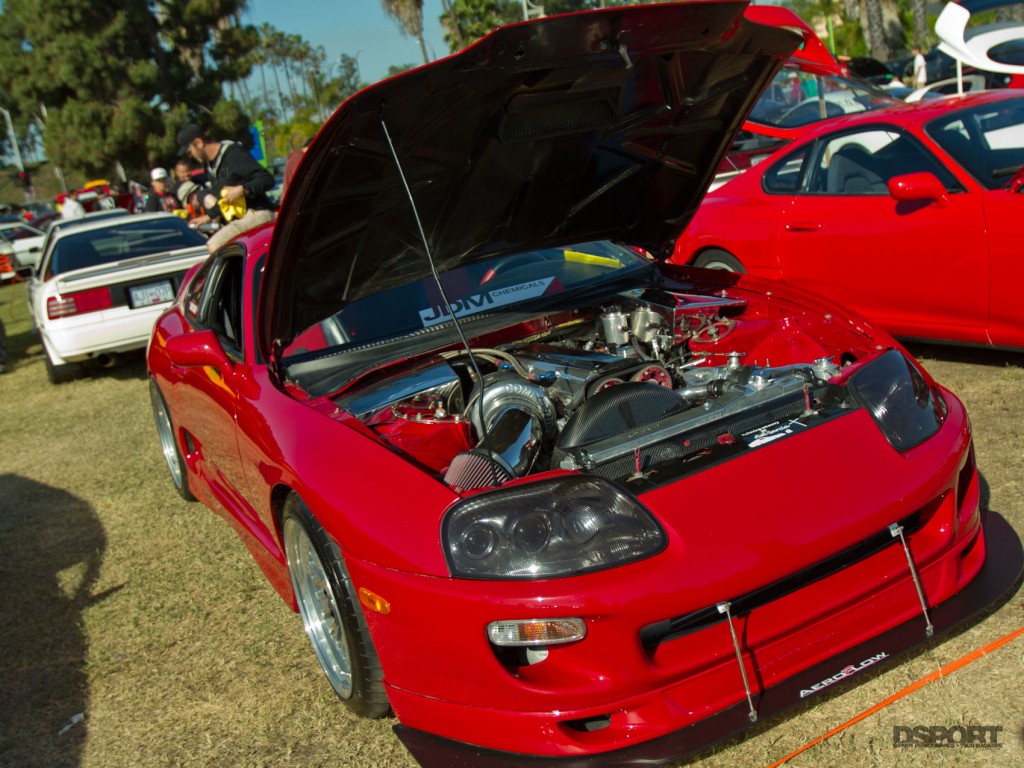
237, 180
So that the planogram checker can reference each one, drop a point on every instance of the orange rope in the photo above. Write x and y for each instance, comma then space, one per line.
963, 661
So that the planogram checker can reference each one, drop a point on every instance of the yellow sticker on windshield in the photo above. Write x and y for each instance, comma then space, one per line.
589, 258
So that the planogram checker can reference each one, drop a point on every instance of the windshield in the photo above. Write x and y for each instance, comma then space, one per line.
483, 287
127, 240
17, 232
797, 98
988, 140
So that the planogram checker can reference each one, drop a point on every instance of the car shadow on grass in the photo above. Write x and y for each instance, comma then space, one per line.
123, 366
19, 344
51, 549
964, 354
127, 366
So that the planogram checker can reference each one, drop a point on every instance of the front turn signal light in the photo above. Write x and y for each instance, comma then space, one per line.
528, 632
374, 602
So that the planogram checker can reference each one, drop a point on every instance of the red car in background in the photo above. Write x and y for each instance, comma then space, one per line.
908, 215
797, 100
89, 196
810, 88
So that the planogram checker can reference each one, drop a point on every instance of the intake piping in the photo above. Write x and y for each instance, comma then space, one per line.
509, 450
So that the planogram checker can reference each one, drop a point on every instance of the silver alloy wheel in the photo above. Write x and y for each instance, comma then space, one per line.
165, 432
318, 606
717, 258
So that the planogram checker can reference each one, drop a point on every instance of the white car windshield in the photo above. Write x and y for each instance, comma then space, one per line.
796, 98
14, 232
124, 240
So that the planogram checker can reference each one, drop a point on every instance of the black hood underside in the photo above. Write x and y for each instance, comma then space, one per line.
598, 125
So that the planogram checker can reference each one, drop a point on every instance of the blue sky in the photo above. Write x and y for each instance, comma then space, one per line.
356, 27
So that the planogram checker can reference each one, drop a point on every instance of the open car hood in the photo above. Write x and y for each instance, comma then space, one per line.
604, 124
811, 55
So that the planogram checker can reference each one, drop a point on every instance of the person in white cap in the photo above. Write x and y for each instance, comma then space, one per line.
160, 197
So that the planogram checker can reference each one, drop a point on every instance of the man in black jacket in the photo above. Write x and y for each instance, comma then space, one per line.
237, 178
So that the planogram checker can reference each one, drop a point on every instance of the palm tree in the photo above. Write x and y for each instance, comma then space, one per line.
265, 57
409, 15
919, 21
452, 15
273, 44
876, 30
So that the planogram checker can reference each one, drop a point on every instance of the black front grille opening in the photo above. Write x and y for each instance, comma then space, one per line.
964, 480
966, 552
589, 724
510, 657
653, 635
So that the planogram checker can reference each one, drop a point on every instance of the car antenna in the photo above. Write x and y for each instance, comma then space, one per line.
444, 299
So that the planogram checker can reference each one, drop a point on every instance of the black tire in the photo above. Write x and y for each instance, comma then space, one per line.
331, 615
168, 444
716, 258
62, 373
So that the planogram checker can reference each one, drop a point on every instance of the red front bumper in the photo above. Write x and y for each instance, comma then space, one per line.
996, 580
816, 586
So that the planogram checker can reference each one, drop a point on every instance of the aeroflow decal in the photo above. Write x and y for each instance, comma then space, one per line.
843, 674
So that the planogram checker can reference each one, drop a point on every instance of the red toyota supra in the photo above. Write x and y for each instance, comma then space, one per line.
531, 489
904, 214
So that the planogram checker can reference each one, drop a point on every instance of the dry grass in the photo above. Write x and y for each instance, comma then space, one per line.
148, 616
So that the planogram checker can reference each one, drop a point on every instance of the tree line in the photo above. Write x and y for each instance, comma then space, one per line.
884, 29
104, 86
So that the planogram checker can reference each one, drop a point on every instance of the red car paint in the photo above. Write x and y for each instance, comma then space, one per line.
751, 509
941, 267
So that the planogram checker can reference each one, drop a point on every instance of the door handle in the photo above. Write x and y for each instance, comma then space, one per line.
802, 226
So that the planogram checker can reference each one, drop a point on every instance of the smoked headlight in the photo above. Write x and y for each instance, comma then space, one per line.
557, 527
899, 399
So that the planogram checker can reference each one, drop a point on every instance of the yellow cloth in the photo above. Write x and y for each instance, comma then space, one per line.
231, 211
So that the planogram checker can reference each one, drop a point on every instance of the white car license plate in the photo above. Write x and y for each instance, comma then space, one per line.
154, 293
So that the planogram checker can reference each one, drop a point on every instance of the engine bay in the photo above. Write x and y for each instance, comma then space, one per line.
641, 389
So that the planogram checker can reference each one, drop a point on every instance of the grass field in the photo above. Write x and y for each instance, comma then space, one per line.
146, 615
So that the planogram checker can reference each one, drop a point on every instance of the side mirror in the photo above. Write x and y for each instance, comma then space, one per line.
196, 349
918, 187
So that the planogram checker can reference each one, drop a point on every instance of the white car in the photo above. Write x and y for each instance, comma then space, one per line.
101, 285
22, 241
27, 241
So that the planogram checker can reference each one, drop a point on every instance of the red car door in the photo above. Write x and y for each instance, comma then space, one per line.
209, 394
915, 267
1003, 212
